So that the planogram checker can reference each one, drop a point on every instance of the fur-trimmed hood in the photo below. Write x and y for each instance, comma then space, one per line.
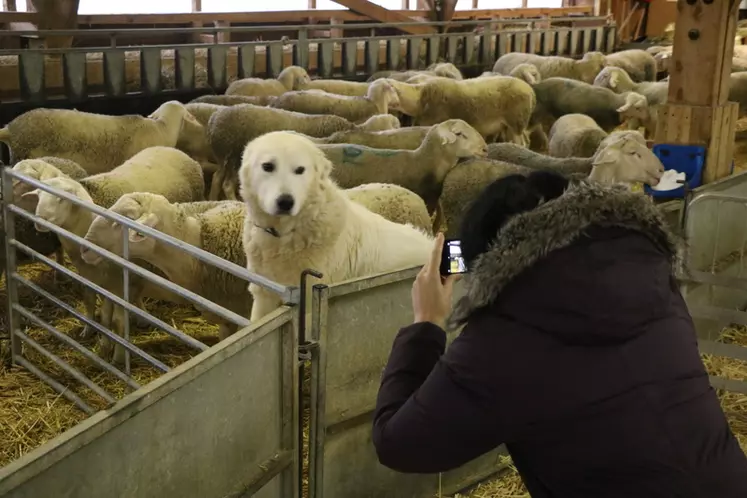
529, 237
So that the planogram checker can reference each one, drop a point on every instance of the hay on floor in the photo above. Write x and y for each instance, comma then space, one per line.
31, 412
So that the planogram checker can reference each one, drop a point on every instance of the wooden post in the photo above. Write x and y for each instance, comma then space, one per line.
697, 111
56, 14
9, 6
196, 5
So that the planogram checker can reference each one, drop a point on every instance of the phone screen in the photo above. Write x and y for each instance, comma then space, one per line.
451, 258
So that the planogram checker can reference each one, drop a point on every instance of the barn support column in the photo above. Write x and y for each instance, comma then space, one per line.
56, 14
697, 111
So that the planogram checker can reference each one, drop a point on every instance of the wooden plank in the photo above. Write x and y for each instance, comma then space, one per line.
700, 67
379, 13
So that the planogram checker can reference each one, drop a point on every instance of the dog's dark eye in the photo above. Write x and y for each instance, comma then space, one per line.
300, 170
268, 167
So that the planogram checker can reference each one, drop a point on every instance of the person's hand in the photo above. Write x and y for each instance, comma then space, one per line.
431, 293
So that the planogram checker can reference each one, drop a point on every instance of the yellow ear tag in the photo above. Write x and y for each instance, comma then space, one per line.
636, 187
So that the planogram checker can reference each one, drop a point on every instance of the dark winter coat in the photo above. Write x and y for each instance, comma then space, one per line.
579, 354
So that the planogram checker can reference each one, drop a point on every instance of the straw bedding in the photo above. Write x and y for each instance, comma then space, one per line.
31, 413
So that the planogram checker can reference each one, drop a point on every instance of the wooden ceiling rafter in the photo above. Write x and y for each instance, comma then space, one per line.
384, 15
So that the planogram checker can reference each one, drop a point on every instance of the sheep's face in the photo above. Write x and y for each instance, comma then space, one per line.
635, 107
624, 157
607, 78
465, 139
53, 209
279, 170
591, 65
662, 61
294, 77
33, 168
528, 73
381, 122
383, 95
447, 70
108, 233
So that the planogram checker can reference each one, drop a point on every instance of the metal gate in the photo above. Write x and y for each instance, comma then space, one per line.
354, 324
223, 424
714, 280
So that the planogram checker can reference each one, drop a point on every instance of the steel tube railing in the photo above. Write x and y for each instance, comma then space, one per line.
74, 372
107, 294
64, 391
71, 274
65, 338
288, 293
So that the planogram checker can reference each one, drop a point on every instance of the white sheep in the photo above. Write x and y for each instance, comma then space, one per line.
557, 97
408, 138
233, 99
214, 226
656, 93
396, 204
421, 170
622, 157
355, 109
96, 142
25, 233
521, 156
445, 69
526, 72
497, 107
230, 129
290, 78
340, 87
585, 69
575, 135
161, 170
639, 64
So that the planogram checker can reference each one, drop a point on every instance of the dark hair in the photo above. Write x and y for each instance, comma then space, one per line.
499, 202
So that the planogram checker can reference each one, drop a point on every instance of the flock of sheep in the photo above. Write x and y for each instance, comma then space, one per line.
323, 174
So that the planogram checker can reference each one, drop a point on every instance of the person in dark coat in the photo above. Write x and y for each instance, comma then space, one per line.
578, 353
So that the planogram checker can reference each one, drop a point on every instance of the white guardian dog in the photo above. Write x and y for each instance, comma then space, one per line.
298, 218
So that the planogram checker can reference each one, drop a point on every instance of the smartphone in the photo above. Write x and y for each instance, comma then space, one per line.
451, 258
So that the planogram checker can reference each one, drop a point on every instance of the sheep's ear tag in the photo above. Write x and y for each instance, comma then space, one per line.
136, 236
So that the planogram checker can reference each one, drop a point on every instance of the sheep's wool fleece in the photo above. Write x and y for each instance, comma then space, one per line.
530, 236
221, 231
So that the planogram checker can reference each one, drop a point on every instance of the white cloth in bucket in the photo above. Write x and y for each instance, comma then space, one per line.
669, 180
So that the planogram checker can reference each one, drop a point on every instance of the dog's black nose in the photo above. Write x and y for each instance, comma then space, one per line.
285, 203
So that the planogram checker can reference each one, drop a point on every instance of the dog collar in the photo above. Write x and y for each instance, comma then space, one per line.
269, 230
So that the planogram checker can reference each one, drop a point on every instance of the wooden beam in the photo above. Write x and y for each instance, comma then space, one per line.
56, 14
449, 7
381, 14
697, 111
298, 16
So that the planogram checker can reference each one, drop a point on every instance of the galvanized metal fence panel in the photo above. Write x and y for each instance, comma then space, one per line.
355, 323
272, 404
714, 281
221, 425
